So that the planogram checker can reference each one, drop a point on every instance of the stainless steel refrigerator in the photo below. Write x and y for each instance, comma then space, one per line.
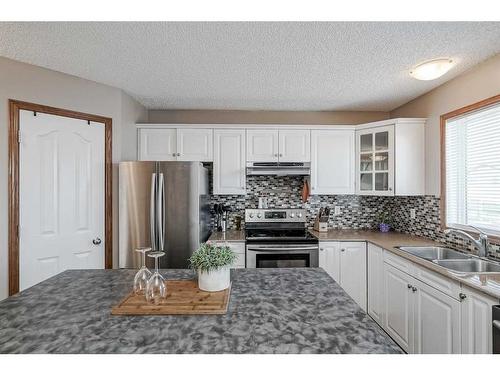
163, 205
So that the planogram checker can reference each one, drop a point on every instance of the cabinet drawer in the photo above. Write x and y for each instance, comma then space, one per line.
397, 262
437, 281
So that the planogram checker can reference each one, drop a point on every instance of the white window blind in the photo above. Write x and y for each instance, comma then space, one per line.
473, 170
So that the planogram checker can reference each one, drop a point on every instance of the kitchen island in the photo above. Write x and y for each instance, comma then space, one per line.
270, 311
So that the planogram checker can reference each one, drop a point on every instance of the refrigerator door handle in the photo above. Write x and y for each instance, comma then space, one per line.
152, 221
160, 212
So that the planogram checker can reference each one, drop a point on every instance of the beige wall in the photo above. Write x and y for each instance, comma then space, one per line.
33, 84
264, 117
481, 82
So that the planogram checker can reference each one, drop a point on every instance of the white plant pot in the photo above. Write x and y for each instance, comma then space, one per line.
214, 280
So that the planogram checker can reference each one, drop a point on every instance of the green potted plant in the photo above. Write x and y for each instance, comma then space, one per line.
384, 221
212, 264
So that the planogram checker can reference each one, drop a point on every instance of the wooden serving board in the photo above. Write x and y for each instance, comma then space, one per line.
183, 298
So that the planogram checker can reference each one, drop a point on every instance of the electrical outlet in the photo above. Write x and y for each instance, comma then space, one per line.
337, 210
413, 213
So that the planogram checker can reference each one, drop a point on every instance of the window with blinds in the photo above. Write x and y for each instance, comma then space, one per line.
472, 156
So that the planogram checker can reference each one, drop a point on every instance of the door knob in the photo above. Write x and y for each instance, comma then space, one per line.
96, 241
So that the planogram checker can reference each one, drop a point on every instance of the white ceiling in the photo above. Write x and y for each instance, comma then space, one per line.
254, 66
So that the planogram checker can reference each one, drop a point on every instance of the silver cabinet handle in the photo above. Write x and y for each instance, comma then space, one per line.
409, 286
276, 155
342, 250
390, 189
152, 207
281, 155
96, 241
178, 154
173, 154
462, 296
160, 212
322, 249
414, 289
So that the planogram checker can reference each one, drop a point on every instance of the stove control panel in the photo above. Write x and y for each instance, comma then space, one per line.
277, 215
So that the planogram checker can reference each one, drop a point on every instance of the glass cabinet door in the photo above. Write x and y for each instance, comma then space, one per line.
375, 150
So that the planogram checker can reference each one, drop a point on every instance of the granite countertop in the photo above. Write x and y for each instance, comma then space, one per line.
486, 283
230, 236
300, 310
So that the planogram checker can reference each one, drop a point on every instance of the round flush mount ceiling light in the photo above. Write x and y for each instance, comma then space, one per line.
431, 69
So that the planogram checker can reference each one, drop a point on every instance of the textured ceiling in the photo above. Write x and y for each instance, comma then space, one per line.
254, 66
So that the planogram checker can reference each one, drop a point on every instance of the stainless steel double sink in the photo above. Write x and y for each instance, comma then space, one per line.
452, 260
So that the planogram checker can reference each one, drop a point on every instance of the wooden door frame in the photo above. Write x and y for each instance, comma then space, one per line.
15, 106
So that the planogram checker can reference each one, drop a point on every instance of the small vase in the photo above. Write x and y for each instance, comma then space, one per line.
384, 228
214, 280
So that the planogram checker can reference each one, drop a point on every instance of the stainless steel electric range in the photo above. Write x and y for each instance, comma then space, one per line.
278, 238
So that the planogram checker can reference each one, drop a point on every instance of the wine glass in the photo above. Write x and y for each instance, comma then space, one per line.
156, 287
142, 276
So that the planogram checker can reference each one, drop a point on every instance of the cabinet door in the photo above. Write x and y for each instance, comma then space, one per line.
375, 283
229, 162
398, 306
195, 144
262, 145
375, 161
332, 162
329, 259
436, 321
294, 145
353, 270
476, 322
157, 144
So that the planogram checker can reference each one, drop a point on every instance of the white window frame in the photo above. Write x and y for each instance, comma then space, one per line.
444, 118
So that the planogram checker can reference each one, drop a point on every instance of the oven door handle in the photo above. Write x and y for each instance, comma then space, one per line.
282, 248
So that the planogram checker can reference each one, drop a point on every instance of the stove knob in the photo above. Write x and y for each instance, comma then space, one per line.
251, 215
292, 214
299, 214
259, 215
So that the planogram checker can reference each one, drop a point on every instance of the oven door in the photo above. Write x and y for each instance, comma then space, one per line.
282, 255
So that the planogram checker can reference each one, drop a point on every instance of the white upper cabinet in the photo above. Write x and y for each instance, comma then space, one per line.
157, 144
195, 144
375, 161
229, 175
390, 158
262, 145
332, 162
288, 145
162, 144
294, 145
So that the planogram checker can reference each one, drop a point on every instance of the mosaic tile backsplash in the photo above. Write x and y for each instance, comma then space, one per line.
357, 212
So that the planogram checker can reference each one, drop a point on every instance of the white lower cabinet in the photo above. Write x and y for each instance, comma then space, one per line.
375, 285
345, 262
476, 321
239, 249
329, 259
398, 307
436, 321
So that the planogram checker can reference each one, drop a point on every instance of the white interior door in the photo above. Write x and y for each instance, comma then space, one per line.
61, 196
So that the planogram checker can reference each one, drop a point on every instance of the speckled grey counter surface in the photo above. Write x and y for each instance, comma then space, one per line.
270, 311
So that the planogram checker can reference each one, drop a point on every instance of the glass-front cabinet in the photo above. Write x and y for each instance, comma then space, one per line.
375, 161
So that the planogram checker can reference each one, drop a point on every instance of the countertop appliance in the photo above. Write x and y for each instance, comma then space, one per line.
278, 238
496, 329
163, 205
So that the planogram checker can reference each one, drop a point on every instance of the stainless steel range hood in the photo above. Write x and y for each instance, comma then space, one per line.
278, 169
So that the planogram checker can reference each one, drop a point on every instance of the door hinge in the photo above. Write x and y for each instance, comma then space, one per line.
19, 138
